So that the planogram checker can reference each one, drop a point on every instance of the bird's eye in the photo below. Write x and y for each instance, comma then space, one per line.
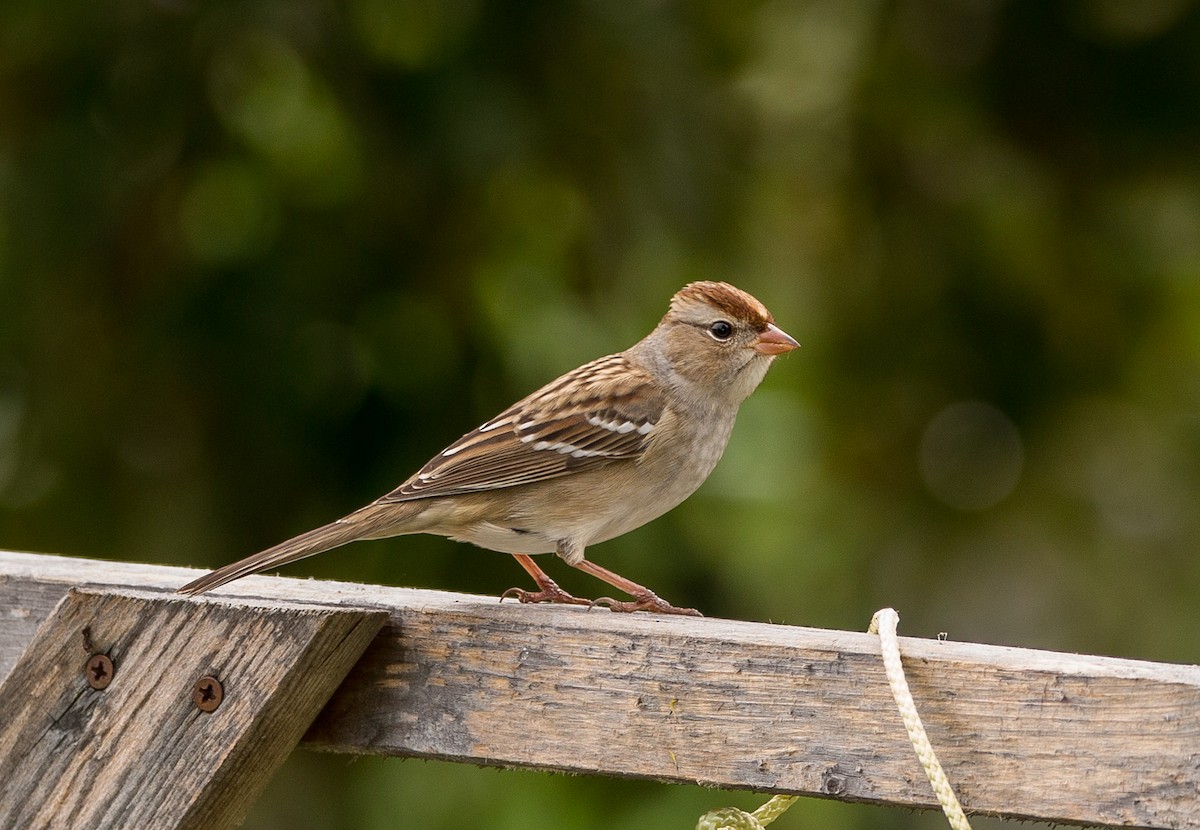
721, 330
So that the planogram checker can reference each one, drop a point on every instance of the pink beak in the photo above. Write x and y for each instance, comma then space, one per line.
774, 341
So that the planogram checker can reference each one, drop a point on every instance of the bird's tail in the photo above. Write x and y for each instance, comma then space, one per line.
311, 543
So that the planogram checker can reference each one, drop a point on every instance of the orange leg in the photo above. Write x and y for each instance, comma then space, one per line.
549, 590
644, 598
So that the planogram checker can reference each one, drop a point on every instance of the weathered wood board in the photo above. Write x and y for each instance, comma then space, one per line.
1022, 733
143, 710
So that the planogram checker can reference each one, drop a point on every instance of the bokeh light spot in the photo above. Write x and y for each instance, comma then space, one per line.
228, 214
269, 97
971, 455
413, 34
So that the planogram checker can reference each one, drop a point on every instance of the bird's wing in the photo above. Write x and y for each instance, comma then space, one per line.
602, 412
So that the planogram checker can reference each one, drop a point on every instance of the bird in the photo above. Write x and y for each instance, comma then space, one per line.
600, 451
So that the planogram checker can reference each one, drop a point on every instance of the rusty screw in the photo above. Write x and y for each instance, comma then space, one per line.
208, 693
99, 671
833, 784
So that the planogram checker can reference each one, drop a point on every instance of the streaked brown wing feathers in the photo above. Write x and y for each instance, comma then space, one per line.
604, 411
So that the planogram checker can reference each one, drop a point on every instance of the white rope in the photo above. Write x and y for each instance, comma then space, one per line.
884, 624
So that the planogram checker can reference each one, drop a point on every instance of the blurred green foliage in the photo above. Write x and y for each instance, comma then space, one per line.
259, 260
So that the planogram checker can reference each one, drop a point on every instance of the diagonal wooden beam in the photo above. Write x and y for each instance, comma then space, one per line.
132, 709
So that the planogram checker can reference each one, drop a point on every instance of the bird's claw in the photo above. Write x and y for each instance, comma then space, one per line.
646, 602
549, 593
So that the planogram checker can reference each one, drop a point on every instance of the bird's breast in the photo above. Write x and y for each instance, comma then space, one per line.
594, 506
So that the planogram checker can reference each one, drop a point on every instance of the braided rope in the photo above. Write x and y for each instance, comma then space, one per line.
884, 624
731, 818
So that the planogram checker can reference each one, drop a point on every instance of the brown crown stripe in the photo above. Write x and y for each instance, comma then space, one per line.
726, 298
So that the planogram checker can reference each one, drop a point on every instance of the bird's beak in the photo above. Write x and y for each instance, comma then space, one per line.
774, 341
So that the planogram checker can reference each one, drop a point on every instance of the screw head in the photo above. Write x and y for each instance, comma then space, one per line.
98, 671
208, 693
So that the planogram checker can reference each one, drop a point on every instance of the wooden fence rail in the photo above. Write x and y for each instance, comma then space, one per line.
367, 669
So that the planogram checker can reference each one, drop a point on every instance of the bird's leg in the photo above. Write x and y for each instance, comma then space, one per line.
644, 598
550, 592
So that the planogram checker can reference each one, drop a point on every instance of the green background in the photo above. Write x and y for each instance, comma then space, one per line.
259, 260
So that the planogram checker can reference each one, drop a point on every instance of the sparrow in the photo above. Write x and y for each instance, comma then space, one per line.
601, 451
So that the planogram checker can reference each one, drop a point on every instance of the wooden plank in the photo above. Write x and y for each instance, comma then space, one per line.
134, 748
1022, 733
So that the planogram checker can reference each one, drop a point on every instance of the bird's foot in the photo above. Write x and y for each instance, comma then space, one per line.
648, 601
549, 592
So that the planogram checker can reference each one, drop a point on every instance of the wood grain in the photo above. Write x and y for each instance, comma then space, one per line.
1022, 733
139, 753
